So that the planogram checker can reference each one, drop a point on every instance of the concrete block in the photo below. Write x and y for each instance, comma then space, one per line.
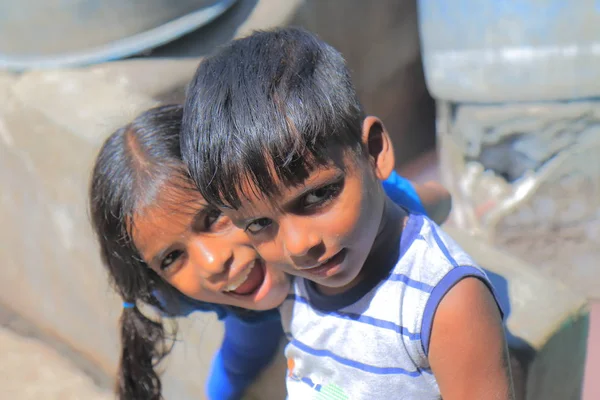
557, 372
30, 371
525, 178
538, 304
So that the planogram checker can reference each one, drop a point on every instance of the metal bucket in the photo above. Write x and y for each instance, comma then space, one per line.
65, 33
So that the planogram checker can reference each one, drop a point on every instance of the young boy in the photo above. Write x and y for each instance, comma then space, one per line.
384, 304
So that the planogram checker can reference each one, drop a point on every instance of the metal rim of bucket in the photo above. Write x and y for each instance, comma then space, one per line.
121, 48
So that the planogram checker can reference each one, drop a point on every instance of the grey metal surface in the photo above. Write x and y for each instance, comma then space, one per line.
502, 51
66, 33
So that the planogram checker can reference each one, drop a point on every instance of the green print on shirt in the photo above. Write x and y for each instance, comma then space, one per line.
331, 392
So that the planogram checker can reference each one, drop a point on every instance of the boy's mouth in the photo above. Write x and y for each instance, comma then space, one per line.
326, 267
250, 280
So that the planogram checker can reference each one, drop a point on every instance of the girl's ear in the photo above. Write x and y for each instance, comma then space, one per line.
379, 145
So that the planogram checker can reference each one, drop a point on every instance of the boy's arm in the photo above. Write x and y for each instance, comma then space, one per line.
467, 351
430, 198
247, 349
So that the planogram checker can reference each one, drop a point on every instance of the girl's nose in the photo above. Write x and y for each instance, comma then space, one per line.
211, 261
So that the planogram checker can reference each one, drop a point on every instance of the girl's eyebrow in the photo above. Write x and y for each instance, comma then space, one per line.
156, 259
199, 215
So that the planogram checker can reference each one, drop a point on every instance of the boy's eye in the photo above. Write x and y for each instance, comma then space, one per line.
258, 225
170, 259
322, 195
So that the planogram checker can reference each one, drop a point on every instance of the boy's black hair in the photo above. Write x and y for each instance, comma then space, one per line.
133, 164
267, 108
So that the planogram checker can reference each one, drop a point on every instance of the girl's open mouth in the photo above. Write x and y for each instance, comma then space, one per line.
250, 281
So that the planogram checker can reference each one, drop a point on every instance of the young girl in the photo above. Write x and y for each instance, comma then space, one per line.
164, 247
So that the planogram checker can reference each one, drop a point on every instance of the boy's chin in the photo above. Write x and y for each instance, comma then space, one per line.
339, 283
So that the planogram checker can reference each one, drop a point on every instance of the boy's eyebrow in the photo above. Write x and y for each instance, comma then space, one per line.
290, 203
309, 187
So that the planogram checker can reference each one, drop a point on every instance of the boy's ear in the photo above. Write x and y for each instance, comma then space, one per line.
379, 146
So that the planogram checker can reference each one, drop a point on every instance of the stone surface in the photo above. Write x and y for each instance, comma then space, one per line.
29, 370
557, 371
526, 178
538, 304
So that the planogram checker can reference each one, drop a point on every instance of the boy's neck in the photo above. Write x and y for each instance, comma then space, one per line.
386, 246
385, 250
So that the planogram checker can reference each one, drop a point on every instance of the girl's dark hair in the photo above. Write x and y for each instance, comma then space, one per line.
133, 164
267, 108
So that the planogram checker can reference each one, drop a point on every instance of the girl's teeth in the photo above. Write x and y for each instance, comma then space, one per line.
239, 281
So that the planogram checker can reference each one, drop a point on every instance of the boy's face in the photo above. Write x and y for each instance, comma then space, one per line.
324, 229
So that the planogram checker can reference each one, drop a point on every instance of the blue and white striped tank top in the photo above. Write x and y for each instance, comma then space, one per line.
377, 346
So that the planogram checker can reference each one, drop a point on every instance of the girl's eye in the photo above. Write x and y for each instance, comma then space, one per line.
170, 258
258, 225
322, 195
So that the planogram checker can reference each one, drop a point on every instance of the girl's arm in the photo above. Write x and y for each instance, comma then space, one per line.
247, 348
249, 344
467, 351
430, 198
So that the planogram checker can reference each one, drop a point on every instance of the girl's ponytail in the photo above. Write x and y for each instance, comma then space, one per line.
143, 346
133, 164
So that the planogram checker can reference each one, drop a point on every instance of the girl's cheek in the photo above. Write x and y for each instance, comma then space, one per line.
187, 283
269, 252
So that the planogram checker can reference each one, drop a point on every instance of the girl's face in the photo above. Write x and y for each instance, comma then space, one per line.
196, 249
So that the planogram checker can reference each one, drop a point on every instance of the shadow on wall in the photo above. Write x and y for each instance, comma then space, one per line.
380, 41
204, 40
516, 343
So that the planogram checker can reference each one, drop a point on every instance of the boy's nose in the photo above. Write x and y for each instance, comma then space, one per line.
302, 244
211, 262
